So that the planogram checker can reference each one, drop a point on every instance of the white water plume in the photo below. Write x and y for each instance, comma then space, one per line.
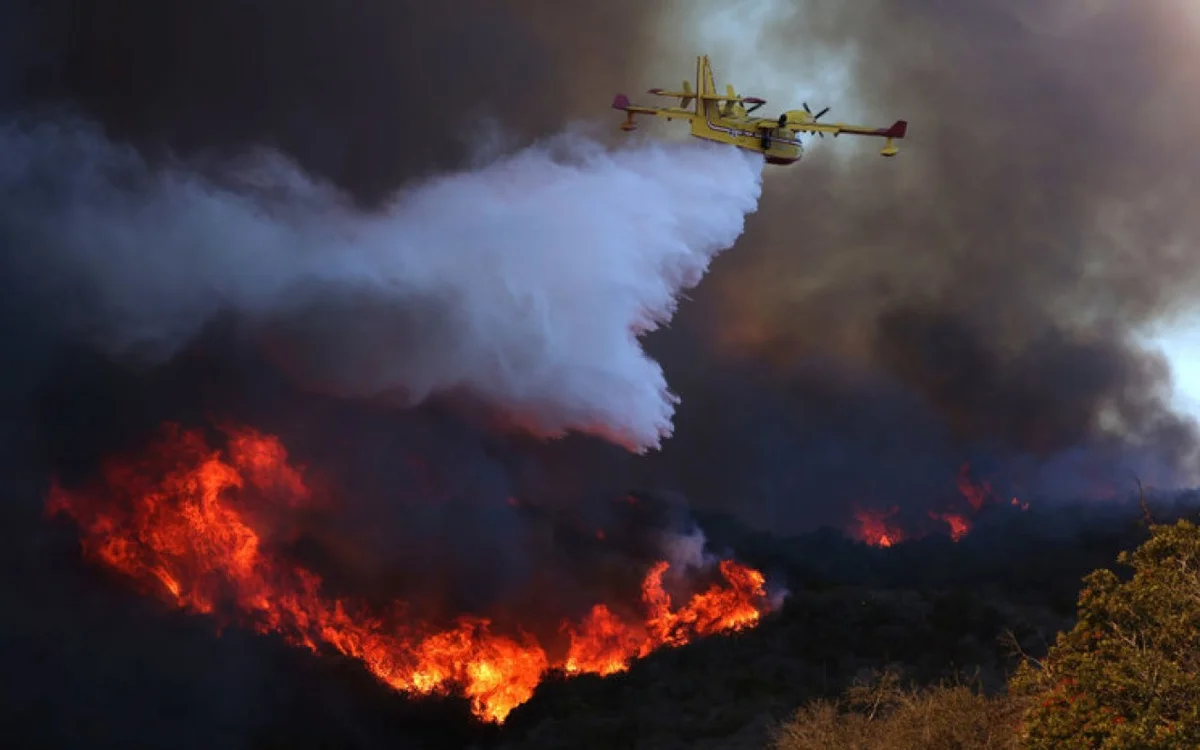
525, 283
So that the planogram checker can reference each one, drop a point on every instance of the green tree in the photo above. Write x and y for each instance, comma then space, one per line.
1128, 674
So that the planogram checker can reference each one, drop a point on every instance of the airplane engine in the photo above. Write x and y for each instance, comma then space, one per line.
794, 115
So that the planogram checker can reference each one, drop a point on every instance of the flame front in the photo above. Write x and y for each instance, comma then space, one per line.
198, 526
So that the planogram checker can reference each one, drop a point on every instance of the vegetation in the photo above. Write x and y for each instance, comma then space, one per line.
881, 714
874, 666
1128, 674
1125, 677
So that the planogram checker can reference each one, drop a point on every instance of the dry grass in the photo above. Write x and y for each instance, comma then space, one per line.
882, 714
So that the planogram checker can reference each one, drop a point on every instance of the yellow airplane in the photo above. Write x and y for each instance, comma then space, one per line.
724, 118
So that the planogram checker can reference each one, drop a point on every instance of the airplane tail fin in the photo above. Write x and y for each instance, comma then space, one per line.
704, 83
731, 103
704, 76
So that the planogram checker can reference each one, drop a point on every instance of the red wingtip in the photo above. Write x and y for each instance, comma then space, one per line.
620, 101
898, 130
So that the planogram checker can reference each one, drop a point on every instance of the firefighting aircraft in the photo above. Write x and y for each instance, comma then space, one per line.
724, 118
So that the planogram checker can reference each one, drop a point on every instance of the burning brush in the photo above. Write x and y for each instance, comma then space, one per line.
203, 528
879, 527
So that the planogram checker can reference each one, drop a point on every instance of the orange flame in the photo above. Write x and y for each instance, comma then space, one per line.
197, 526
959, 525
874, 528
604, 644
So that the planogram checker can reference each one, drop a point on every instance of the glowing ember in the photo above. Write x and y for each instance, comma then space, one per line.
874, 528
959, 525
198, 527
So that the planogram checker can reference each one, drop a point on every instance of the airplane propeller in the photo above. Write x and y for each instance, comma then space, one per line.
818, 115
815, 117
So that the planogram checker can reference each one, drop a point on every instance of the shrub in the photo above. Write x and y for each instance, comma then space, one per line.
881, 714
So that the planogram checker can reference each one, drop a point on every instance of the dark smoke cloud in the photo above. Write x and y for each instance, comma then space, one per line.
881, 318
997, 272
367, 94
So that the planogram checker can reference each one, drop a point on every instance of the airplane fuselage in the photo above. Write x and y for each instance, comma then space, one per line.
777, 145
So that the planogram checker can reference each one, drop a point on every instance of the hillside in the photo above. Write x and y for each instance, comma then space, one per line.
933, 610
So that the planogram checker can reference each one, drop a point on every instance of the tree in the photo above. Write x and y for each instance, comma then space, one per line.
1128, 674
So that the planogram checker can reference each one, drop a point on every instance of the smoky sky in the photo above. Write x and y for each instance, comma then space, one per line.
991, 278
881, 321
367, 94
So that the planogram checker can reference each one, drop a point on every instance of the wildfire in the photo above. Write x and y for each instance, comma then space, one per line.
198, 527
874, 527
958, 523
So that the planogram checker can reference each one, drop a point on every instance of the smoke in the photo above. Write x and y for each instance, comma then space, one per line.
686, 551
977, 299
525, 283
982, 296
883, 320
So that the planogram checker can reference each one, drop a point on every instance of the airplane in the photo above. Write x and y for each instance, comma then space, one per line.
725, 118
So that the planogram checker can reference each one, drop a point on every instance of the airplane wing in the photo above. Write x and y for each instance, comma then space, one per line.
726, 98
707, 97
898, 129
621, 102
672, 94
